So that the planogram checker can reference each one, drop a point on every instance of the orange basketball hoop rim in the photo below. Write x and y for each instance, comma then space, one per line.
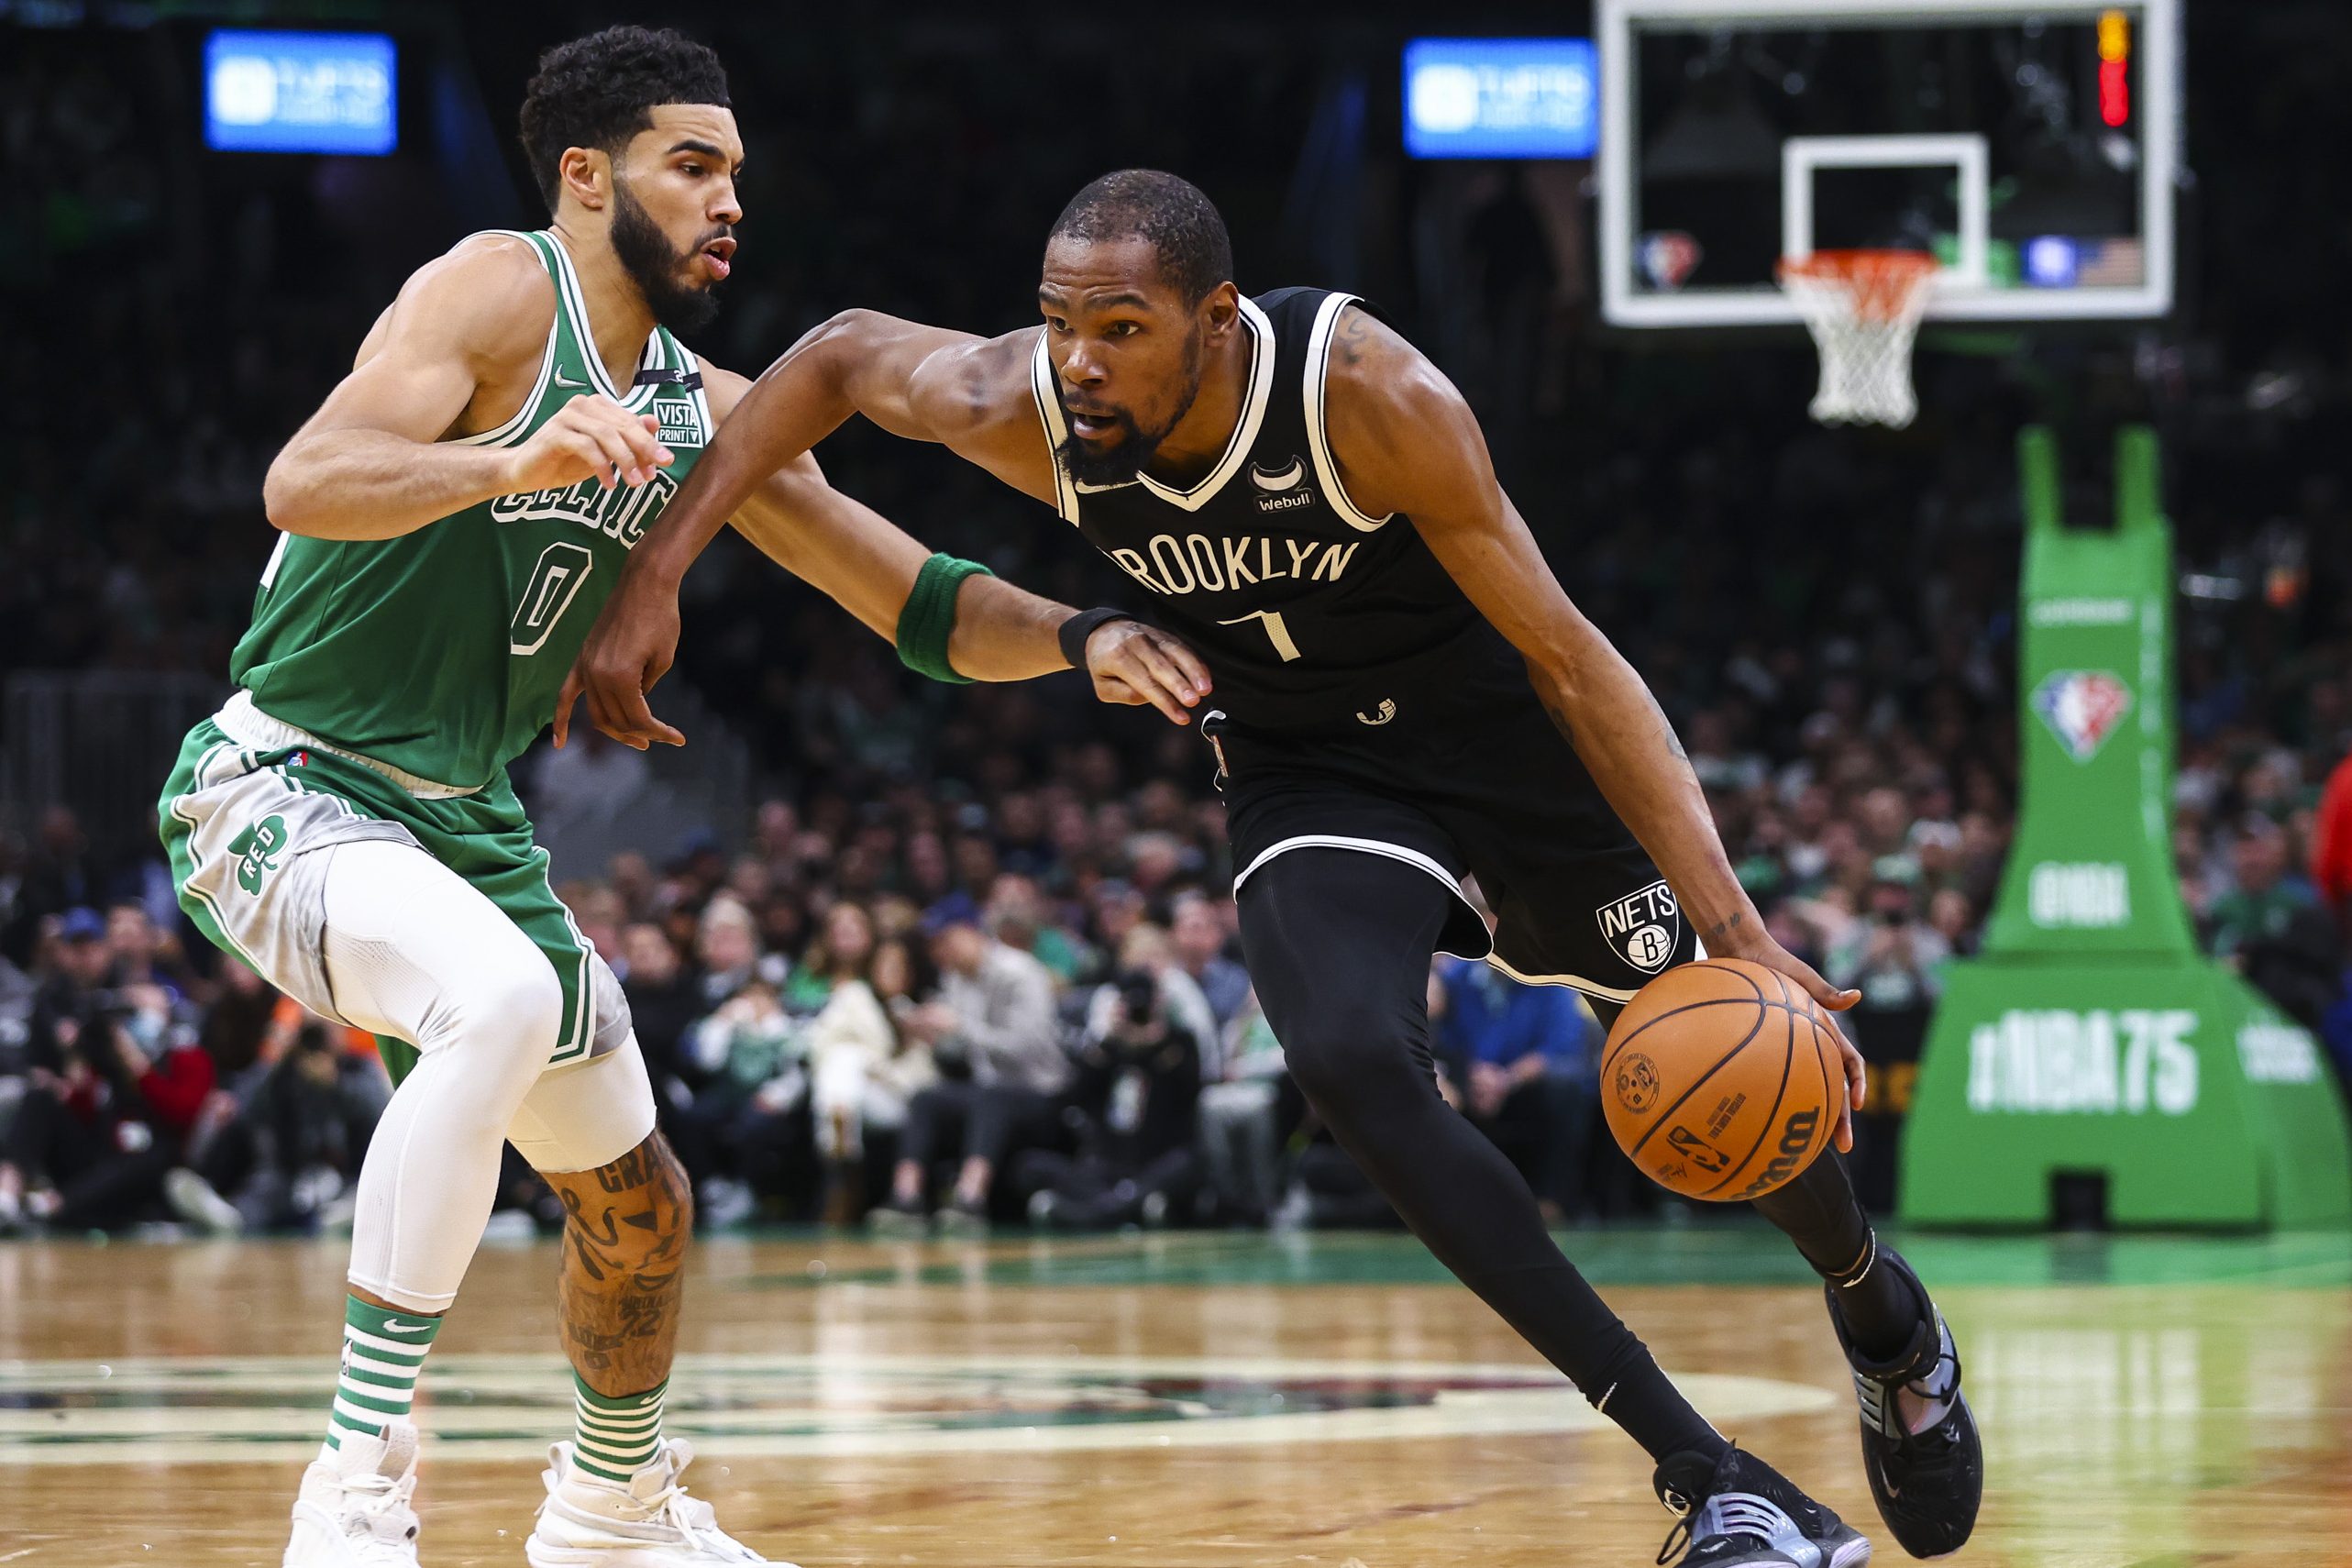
1882, 283
1863, 308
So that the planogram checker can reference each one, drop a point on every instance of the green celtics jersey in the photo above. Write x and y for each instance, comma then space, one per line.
441, 652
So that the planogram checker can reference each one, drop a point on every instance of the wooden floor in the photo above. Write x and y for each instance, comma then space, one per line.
1191, 1401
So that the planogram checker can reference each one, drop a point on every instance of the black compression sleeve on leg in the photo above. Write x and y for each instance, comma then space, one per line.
1339, 943
1821, 1213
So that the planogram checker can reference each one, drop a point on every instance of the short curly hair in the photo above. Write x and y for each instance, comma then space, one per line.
1182, 224
599, 91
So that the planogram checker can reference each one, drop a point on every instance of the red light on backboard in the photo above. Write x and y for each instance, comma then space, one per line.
2114, 68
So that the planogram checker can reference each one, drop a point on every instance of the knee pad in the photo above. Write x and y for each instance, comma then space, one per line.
584, 1117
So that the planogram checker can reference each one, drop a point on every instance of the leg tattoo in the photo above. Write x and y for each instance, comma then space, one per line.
624, 1246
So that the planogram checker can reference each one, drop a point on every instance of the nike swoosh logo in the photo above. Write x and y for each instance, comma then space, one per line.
564, 381
394, 1326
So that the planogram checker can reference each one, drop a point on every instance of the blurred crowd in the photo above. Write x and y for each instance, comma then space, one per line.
975, 957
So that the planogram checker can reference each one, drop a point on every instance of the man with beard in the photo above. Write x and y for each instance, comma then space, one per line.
1404, 693
452, 517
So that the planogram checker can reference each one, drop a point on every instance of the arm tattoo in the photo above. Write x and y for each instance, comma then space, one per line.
1355, 337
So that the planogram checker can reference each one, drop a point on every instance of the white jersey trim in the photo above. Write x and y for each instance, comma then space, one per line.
1245, 430
1049, 414
1318, 443
648, 357
1573, 982
1379, 846
693, 368
522, 417
1263, 355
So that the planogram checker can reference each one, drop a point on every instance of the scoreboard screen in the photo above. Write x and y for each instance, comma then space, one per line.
273, 92
1501, 98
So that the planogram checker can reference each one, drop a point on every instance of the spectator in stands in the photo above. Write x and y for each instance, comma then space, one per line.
1200, 941
1522, 1059
1017, 913
1245, 1116
862, 1071
1137, 1090
1897, 960
1149, 950
2270, 927
755, 1100
104, 1115
288, 1158
843, 949
994, 1017
665, 1003
71, 964
727, 942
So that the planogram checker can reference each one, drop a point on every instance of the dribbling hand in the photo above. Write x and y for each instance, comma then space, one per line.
590, 438
1772, 956
1135, 665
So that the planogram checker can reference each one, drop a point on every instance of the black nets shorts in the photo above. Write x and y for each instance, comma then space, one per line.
1483, 788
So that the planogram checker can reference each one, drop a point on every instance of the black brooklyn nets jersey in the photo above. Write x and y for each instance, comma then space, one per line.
1312, 615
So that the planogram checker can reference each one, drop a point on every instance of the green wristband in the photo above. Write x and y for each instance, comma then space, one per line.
929, 618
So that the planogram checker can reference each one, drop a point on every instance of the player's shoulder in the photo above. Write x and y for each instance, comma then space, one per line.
1373, 369
492, 292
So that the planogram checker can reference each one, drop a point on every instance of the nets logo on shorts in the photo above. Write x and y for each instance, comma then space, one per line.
2082, 707
1642, 927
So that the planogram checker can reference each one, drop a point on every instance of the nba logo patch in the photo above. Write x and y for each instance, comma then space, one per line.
1642, 927
1667, 258
2082, 707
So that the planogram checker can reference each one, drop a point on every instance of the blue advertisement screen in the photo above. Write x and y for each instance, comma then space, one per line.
1501, 98
299, 93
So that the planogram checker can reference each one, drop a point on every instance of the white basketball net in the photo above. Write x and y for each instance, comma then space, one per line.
1863, 307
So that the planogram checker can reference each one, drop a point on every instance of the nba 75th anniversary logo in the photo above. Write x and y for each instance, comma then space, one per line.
1642, 927
2082, 707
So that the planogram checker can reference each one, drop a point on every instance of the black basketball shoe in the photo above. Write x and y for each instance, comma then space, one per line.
1927, 1483
1738, 1512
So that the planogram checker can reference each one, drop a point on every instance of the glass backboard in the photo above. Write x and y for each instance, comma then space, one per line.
2032, 148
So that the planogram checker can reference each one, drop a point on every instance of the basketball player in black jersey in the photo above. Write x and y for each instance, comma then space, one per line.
1403, 694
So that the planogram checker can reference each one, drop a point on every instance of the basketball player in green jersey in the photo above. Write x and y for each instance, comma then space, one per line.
453, 518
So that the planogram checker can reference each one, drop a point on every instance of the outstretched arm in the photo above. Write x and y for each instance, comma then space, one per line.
868, 565
1405, 441
374, 463
923, 382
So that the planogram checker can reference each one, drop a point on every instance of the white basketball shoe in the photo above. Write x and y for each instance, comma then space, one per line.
355, 1509
590, 1522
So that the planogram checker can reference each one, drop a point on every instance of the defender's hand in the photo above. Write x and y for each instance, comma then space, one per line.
629, 648
590, 438
1134, 663
1772, 956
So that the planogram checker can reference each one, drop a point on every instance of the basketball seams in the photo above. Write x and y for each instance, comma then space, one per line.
1780, 1096
1763, 1013
1721, 966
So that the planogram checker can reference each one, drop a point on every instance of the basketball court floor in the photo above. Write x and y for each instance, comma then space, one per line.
1191, 1400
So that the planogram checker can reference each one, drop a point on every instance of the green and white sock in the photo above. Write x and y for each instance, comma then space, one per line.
384, 1350
618, 1434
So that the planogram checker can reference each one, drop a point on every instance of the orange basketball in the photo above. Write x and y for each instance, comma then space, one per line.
1721, 1079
